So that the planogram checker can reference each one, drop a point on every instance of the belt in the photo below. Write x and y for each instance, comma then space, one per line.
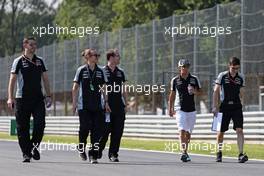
231, 102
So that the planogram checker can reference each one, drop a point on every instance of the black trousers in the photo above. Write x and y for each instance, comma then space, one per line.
93, 122
23, 110
116, 128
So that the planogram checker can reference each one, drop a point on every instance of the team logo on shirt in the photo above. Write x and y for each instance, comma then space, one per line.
25, 64
227, 81
192, 81
238, 81
85, 75
98, 74
107, 73
119, 74
178, 82
38, 63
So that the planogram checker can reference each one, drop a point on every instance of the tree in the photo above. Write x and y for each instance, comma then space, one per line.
80, 13
2, 10
19, 21
132, 12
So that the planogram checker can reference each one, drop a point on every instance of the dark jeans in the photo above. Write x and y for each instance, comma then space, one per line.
116, 128
93, 122
23, 110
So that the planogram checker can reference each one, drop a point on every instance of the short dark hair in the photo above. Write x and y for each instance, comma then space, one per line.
234, 61
110, 52
26, 39
88, 50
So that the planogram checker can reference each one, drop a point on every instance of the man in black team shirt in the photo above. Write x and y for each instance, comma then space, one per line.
117, 103
229, 86
27, 70
86, 96
183, 88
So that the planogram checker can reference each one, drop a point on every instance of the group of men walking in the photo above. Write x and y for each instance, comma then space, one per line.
102, 112
228, 91
99, 113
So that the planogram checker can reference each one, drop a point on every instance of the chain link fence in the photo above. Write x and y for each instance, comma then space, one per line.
150, 56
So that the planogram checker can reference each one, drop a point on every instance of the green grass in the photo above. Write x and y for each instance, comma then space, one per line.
198, 147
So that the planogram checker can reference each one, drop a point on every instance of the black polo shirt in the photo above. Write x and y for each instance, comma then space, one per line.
230, 87
90, 97
115, 79
29, 74
184, 101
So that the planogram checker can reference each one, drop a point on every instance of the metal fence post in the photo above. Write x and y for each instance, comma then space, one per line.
44, 52
65, 79
136, 54
77, 52
217, 41
120, 44
173, 47
105, 40
136, 66
242, 36
54, 78
153, 51
90, 41
153, 62
195, 42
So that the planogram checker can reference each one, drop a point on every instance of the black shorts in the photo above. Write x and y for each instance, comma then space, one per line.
236, 116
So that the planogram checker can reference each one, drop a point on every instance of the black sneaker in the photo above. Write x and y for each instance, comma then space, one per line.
242, 158
26, 158
93, 160
219, 157
184, 157
35, 154
82, 154
113, 158
188, 158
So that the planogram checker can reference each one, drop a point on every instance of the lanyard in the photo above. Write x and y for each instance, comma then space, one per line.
29, 60
231, 80
91, 77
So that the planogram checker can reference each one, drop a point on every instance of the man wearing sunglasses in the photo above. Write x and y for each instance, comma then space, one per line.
117, 103
28, 70
181, 102
87, 98
229, 87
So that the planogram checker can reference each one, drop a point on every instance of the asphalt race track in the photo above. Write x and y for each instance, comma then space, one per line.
67, 163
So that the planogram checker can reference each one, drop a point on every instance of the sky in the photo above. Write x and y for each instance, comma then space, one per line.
56, 5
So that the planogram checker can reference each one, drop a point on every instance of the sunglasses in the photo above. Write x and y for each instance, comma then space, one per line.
32, 44
235, 68
96, 55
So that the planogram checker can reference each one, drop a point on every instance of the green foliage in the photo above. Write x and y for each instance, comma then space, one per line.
18, 22
109, 15
79, 13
